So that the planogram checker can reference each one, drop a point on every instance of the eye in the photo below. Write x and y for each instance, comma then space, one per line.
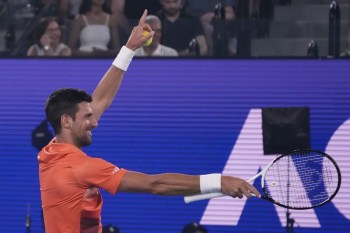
89, 116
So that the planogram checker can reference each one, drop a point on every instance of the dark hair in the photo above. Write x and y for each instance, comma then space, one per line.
41, 28
64, 101
86, 5
193, 227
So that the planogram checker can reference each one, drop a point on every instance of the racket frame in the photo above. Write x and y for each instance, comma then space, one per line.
198, 197
266, 197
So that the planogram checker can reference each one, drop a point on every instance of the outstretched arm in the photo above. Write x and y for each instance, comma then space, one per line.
182, 184
109, 85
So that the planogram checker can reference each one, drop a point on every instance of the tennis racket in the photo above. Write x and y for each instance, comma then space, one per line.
301, 179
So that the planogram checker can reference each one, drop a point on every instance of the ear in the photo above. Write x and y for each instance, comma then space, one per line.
66, 121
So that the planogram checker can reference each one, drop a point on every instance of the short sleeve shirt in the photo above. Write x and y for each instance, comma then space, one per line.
178, 34
69, 184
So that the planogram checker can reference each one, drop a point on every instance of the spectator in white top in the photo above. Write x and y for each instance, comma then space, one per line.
156, 48
94, 32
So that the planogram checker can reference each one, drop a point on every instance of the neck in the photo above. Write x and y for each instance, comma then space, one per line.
54, 45
62, 138
173, 18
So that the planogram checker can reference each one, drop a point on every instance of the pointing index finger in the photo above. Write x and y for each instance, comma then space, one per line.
143, 18
254, 191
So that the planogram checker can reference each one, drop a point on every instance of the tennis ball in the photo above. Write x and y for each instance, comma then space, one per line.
149, 41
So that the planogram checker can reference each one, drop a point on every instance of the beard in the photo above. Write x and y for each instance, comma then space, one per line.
172, 11
82, 140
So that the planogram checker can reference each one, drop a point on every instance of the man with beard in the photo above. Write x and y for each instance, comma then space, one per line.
70, 180
180, 28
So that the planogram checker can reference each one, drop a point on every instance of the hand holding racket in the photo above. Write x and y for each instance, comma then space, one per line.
236, 187
302, 179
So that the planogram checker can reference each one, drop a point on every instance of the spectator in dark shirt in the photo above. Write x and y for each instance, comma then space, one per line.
180, 28
134, 8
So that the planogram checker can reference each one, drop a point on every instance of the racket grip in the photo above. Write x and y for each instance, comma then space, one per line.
203, 196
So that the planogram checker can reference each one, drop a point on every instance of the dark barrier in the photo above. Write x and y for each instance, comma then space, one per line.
334, 30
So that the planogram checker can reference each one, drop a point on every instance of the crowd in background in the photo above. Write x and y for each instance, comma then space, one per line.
213, 28
101, 27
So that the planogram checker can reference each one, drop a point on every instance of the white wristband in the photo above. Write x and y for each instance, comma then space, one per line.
210, 183
123, 58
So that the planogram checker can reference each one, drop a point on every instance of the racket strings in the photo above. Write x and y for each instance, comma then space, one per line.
301, 180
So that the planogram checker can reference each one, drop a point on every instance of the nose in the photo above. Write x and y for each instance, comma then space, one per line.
94, 123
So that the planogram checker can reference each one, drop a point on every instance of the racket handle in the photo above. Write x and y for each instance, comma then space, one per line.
200, 197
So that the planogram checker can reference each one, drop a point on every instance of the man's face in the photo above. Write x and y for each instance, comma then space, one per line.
82, 126
157, 28
171, 7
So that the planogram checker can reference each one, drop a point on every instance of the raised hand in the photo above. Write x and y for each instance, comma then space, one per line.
137, 38
45, 40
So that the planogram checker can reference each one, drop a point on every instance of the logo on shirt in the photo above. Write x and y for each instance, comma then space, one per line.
116, 169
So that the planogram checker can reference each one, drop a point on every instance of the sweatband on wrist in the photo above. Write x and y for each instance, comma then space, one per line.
123, 58
210, 183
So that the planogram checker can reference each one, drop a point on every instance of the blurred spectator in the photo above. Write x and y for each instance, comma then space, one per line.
254, 8
47, 39
110, 229
179, 28
94, 32
134, 8
68, 10
205, 11
194, 228
124, 25
155, 48
205, 8
49, 5
128, 14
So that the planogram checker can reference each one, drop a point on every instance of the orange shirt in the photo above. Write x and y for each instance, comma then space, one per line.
69, 185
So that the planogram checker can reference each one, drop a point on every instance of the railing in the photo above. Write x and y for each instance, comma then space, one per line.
334, 30
22, 42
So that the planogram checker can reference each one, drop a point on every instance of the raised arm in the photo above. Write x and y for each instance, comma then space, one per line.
109, 85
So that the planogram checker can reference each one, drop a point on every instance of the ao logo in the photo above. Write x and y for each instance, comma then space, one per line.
247, 156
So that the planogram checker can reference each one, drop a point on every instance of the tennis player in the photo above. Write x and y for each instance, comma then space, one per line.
70, 180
